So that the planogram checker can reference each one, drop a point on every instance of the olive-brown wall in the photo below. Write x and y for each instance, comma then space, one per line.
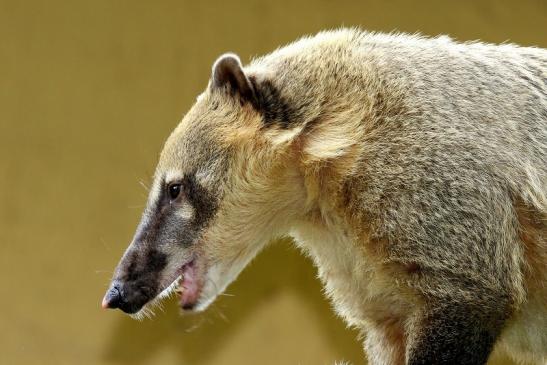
89, 90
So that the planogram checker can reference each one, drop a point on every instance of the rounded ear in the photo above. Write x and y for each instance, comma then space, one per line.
228, 74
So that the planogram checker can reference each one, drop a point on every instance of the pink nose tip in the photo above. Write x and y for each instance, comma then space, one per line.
104, 303
112, 298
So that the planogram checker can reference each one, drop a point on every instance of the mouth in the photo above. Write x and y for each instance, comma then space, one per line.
187, 285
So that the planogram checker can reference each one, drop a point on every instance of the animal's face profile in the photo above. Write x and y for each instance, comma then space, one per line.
394, 162
212, 205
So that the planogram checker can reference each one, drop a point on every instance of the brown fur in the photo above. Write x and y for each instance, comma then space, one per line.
411, 170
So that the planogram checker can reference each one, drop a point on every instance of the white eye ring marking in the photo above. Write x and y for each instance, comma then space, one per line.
186, 211
172, 176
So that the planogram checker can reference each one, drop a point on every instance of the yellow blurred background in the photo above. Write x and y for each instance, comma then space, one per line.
89, 90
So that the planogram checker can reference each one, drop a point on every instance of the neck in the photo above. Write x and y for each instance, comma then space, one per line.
339, 261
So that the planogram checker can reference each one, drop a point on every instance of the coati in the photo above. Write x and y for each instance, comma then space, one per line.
413, 171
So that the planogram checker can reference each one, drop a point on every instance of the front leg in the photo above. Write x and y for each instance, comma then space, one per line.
385, 342
455, 332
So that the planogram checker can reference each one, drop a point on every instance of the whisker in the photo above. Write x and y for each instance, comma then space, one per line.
139, 206
143, 184
195, 326
103, 272
105, 245
221, 315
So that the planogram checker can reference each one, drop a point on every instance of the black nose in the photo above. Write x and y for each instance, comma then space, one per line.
112, 298
125, 297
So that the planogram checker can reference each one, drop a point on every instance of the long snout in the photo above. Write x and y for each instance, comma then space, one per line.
136, 280
139, 275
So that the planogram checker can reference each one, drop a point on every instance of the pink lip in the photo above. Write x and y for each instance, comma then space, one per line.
190, 285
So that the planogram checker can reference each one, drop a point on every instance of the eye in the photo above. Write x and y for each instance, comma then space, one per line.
174, 191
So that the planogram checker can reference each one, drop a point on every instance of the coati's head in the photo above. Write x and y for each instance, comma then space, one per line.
225, 185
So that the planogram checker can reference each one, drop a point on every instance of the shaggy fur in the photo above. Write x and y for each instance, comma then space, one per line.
412, 170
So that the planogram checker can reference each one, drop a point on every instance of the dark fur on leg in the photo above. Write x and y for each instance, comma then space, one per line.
456, 333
